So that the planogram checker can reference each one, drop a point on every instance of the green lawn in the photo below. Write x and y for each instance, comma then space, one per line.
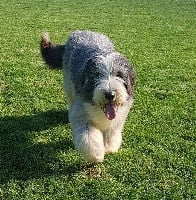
157, 158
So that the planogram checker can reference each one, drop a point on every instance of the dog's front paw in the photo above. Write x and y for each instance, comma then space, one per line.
89, 142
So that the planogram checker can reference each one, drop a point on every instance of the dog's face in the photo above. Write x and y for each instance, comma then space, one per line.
108, 82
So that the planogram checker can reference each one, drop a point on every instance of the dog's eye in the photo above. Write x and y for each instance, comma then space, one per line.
119, 75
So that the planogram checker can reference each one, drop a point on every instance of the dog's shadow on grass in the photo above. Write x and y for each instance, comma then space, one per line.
21, 158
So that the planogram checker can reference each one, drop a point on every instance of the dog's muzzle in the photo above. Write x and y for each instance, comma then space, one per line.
110, 106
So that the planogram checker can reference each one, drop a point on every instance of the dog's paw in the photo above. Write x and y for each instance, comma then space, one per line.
89, 142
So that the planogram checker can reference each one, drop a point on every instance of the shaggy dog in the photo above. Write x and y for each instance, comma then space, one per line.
99, 84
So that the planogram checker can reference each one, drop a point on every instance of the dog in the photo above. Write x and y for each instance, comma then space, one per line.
99, 85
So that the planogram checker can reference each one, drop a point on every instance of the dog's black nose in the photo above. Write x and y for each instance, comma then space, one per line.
110, 96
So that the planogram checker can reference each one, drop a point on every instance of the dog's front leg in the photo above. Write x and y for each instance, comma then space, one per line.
89, 142
112, 141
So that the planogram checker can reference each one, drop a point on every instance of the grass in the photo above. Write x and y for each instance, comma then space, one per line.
157, 158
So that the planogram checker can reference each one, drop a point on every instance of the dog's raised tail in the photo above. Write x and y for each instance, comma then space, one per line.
52, 54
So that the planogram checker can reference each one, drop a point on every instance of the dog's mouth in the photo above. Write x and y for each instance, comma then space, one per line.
110, 111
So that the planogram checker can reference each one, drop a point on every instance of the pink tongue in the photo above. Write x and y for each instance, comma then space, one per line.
110, 111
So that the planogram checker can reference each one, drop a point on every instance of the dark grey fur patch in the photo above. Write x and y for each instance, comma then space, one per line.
91, 77
54, 56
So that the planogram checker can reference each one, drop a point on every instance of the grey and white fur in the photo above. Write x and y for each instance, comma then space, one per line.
99, 84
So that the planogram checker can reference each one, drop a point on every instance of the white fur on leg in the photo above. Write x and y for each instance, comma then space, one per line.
89, 142
112, 141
